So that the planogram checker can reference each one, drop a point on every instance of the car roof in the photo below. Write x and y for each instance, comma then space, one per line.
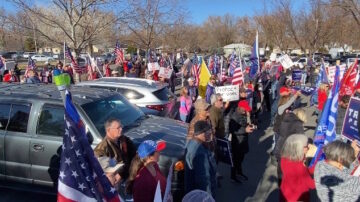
80, 95
128, 82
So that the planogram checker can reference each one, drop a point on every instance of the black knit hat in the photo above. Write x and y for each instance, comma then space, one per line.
201, 127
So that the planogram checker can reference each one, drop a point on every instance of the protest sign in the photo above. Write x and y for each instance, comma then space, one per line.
167, 195
228, 93
296, 75
224, 152
286, 61
153, 66
350, 126
9, 65
165, 72
331, 72
307, 91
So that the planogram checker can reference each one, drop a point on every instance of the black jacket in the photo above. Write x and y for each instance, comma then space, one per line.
290, 124
237, 126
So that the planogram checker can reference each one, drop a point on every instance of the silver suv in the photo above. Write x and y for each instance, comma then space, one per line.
150, 96
32, 126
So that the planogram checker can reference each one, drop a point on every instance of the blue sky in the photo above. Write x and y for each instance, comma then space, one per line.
200, 10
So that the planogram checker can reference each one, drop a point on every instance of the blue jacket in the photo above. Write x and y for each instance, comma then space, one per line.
200, 168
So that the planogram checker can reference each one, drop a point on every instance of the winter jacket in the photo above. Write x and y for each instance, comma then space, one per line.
322, 96
290, 124
193, 92
185, 105
217, 121
296, 181
237, 128
333, 184
200, 168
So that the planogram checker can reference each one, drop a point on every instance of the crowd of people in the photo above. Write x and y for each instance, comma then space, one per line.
210, 119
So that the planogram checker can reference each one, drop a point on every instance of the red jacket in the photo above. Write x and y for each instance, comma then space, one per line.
296, 181
322, 96
145, 185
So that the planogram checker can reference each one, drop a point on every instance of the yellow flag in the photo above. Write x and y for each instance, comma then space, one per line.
204, 78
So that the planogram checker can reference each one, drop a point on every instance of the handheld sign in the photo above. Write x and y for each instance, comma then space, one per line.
305, 90
331, 72
228, 93
286, 61
153, 66
224, 152
350, 127
165, 72
296, 75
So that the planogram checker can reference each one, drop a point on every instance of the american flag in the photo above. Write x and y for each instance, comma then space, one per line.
215, 70
233, 64
238, 77
31, 65
74, 64
81, 177
119, 54
195, 70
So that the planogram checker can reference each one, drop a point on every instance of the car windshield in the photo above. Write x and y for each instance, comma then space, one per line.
162, 94
112, 107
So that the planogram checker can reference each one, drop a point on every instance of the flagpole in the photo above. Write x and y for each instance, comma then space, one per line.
64, 55
257, 50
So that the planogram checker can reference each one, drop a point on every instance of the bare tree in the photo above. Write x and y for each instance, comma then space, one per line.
78, 22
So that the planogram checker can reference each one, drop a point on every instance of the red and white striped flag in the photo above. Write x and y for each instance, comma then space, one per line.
238, 78
195, 70
119, 54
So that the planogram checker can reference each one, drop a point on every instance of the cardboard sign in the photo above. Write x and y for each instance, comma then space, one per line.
350, 126
228, 93
153, 66
286, 61
224, 151
331, 72
165, 72
296, 75
10, 65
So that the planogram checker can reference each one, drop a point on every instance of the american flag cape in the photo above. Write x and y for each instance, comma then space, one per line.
74, 64
81, 177
195, 70
119, 54
31, 65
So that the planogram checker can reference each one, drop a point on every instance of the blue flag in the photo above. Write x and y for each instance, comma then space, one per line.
325, 131
322, 78
254, 59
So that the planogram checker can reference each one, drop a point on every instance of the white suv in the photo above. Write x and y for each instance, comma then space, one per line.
41, 58
150, 96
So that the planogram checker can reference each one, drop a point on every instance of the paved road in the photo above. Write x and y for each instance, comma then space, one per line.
262, 184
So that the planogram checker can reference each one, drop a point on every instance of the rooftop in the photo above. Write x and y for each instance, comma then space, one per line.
130, 82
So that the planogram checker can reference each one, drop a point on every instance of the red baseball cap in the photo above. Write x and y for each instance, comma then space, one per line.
284, 90
245, 105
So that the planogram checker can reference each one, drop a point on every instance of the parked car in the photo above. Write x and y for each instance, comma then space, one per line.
32, 129
349, 61
8, 55
110, 57
150, 96
26, 55
303, 60
41, 58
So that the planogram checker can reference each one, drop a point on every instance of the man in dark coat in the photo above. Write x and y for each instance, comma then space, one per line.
239, 130
117, 146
